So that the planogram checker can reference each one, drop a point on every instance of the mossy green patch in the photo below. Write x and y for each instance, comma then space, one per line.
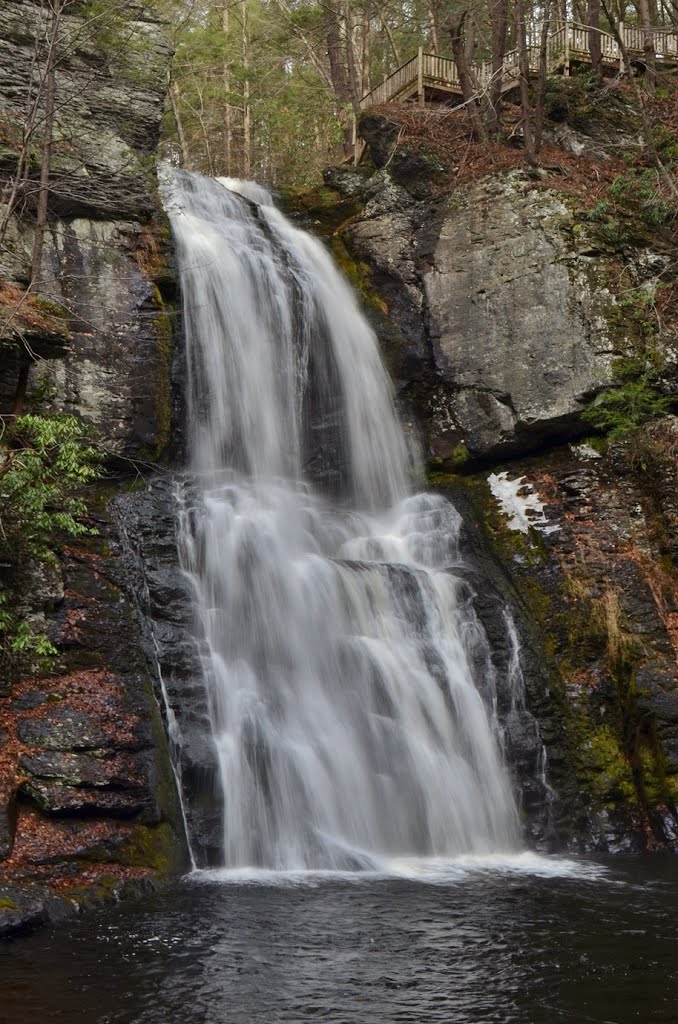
154, 847
606, 769
322, 209
358, 274
48, 306
163, 337
604, 755
440, 472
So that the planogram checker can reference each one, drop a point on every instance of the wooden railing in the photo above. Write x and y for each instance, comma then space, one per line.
392, 86
567, 44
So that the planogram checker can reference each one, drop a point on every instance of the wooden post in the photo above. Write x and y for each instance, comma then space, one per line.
420, 77
355, 139
621, 57
566, 66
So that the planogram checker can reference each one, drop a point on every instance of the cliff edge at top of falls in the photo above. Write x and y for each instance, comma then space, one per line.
528, 317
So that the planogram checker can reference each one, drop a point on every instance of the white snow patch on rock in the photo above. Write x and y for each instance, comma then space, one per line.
519, 502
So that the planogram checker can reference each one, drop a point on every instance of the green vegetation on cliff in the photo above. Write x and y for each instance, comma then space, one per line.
44, 462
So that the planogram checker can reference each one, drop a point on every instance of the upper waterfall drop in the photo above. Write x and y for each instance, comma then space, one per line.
285, 383
351, 688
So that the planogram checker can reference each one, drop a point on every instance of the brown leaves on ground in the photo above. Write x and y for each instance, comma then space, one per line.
448, 133
21, 312
50, 848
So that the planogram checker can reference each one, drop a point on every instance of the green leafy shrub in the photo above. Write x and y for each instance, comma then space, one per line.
598, 212
49, 458
44, 461
638, 191
620, 410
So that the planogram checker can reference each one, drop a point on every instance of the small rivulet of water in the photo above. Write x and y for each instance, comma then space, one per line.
350, 683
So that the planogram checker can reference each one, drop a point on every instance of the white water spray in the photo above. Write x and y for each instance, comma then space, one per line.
351, 688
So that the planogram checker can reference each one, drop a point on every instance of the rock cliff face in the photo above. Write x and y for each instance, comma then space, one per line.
503, 301
517, 325
88, 803
105, 257
504, 312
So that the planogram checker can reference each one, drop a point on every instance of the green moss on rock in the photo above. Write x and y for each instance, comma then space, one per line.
153, 847
163, 336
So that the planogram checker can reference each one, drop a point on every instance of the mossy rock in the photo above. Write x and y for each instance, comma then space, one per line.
322, 210
154, 847
418, 167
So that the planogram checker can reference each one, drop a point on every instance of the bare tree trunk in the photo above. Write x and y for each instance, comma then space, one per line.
47, 141
593, 16
469, 90
648, 44
338, 74
205, 130
13, 188
53, 32
366, 56
541, 81
669, 12
389, 34
226, 75
499, 16
246, 109
351, 62
175, 98
525, 83
432, 26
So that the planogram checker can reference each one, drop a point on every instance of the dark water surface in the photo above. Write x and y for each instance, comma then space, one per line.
480, 945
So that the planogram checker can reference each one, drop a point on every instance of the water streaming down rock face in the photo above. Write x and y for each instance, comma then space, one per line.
351, 688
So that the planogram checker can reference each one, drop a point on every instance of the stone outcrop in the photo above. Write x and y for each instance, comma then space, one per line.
507, 315
105, 262
517, 321
504, 296
87, 794
88, 801
598, 607
148, 528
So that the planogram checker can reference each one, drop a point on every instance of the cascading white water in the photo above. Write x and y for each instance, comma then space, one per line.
350, 683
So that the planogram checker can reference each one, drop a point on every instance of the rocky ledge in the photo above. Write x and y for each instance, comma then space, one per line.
505, 300
106, 274
88, 804
88, 801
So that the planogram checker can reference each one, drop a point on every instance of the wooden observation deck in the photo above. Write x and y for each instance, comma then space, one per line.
428, 78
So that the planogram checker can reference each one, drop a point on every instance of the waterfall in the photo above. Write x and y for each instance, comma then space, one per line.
351, 689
